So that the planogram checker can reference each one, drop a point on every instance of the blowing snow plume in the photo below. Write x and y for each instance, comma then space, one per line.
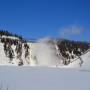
46, 53
72, 30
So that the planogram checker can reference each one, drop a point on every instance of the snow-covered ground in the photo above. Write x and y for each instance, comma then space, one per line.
43, 78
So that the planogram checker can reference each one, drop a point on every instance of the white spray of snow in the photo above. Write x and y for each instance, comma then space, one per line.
46, 54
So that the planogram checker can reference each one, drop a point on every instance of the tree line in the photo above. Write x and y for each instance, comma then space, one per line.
6, 33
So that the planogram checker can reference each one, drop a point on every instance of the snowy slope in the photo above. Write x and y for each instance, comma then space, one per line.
43, 66
83, 61
4, 60
36, 78
42, 54
45, 52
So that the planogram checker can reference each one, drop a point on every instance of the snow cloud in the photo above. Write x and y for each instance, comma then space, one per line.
71, 30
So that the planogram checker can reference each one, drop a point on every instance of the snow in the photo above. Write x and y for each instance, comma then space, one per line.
43, 78
9, 37
42, 54
45, 70
46, 56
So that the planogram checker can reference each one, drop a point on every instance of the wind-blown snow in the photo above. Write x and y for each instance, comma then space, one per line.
46, 54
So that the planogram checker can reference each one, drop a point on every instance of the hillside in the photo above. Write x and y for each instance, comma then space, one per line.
14, 50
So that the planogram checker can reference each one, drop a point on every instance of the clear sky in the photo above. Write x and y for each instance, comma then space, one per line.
41, 18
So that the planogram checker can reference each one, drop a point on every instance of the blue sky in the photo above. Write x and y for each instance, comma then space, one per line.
46, 18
